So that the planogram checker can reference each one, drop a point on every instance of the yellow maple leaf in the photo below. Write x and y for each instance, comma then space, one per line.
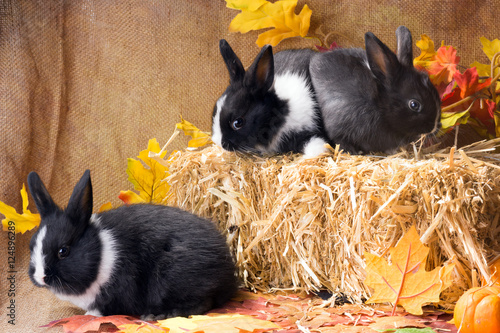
280, 16
226, 323
490, 47
427, 52
20, 222
148, 176
405, 281
482, 69
245, 4
450, 119
199, 138
105, 207
140, 328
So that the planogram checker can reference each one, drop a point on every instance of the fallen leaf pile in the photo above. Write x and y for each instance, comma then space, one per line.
258, 313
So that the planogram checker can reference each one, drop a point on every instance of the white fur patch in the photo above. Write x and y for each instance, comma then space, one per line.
95, 220
95, 313
294, 89
37, 257
109, 254
216, 130
314, 147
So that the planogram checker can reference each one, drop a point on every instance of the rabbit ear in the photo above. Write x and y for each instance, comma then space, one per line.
405, 49
41, 196
233, 63
260, 76
80, 204
381, 59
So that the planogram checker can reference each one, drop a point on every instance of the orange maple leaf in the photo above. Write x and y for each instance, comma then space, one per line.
86, 323
444, 66
105, 207
468, 82
405, 281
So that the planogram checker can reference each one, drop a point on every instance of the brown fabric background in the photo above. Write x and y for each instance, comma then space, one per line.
85, 84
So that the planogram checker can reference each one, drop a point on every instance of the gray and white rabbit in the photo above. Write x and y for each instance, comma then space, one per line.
144, 260
373, 100
271, 107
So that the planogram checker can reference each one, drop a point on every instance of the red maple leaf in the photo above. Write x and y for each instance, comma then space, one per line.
468, 82
484, 114
451, 96
332, 47
445, 89
445, 65
86, 323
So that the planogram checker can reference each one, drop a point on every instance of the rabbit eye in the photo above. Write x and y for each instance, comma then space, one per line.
414, 105
238, 123
63, 252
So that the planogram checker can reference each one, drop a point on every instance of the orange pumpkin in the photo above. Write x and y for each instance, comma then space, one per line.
478, 310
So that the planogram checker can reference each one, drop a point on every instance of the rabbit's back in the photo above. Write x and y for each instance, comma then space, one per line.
178, 261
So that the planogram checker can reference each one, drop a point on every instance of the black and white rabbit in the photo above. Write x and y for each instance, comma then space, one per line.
373, 100
271, 107
144, 260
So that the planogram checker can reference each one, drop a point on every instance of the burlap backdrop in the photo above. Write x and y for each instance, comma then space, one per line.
85, 84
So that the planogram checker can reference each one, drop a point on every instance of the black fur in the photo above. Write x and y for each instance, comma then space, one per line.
365, 109
169, 262
184, 264
252, 98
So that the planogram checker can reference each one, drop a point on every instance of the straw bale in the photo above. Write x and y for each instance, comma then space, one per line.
303, 224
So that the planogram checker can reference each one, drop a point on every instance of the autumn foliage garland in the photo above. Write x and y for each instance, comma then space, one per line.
471, 97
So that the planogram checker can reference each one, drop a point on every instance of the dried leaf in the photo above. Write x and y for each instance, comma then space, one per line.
105, 207
252, 6
199, 138
414, 330
279, 15
86, 323
145, 327
395, 322
130, 197
452, 119
427, 53
444, 66
332, 47
230, 323
490, 48
21, 222
482, 69
405, 281
148, 176
468, 82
